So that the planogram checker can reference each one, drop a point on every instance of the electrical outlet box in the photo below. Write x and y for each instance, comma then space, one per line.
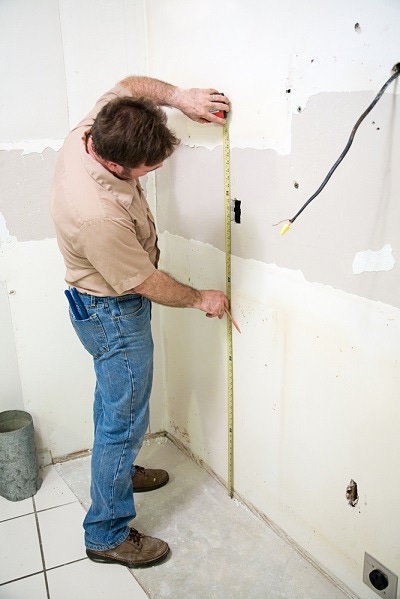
379, 578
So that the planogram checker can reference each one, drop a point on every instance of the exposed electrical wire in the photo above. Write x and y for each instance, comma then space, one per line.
289, 221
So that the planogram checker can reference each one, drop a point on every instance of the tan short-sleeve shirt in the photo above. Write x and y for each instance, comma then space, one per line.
105, 229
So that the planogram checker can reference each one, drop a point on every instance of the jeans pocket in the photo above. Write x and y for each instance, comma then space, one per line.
92, 335
131, 306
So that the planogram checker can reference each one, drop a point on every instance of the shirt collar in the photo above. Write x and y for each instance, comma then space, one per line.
123, 189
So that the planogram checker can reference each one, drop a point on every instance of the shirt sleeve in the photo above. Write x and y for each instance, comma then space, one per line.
114, 250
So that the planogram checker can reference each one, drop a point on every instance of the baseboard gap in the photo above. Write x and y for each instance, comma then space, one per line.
72, 456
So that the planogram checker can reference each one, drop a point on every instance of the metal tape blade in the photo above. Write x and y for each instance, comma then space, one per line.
228, 250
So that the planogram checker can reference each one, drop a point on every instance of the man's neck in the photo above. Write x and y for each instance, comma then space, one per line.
91, 152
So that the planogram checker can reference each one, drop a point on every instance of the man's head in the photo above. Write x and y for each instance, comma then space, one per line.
132, 132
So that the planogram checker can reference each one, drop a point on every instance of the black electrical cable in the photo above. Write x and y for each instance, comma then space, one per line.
396, 73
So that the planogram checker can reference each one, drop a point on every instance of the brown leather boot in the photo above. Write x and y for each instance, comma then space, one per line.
146, 479
137, 551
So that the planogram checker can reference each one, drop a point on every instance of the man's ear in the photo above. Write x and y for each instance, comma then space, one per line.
113, 167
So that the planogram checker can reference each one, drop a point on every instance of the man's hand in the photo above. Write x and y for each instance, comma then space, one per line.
200, 105
163, 289
213, 303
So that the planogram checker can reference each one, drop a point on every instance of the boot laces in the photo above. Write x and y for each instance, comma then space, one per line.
135, 536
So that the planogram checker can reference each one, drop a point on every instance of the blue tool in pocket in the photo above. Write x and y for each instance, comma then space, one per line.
76, 304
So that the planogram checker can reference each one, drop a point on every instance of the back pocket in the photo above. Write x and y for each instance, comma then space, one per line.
92, 335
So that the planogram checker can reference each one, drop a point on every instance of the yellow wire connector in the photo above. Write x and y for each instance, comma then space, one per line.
285, 228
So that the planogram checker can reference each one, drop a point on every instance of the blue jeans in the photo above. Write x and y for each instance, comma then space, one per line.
117, 333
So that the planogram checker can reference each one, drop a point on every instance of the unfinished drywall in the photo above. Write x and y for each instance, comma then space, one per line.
271, 58
358, 210
316, 403
57, 66
25, 192
56, 375
316, 367
10, 390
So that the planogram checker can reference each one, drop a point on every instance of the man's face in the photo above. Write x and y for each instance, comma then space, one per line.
134, 173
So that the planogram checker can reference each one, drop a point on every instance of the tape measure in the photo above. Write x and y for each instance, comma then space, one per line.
228, 250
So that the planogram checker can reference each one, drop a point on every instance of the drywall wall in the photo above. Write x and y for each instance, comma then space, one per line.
10, 390
61, 56
356, 212
316, 367
55, 372
316, 404
259, 52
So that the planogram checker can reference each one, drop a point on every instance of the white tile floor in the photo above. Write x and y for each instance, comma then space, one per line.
42, 554
219, 549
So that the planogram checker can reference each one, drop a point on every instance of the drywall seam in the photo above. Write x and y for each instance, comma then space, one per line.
146, 37
289, 275
31, 146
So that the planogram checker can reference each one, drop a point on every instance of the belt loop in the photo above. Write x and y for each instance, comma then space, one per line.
92, 301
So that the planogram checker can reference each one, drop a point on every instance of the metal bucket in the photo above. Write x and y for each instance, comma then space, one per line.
19, 466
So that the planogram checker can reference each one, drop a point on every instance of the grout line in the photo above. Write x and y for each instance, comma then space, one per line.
3, 584
74, 561
54, 507
41, 549
16, 517
35, 510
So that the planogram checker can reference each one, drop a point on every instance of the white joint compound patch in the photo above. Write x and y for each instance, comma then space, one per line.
370, 261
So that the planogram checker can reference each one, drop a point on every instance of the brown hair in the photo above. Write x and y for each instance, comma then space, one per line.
131, 132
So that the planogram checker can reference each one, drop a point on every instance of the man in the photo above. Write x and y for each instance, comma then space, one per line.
107, 236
